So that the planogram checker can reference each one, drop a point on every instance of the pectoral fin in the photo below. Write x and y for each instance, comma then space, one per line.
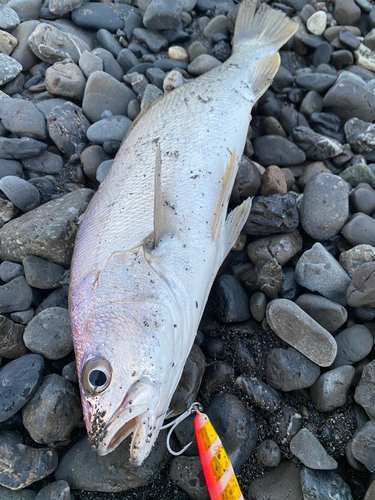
233, 225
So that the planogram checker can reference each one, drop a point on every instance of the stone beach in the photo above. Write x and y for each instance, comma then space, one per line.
284, 359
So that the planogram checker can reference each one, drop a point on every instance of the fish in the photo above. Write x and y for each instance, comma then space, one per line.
155, 235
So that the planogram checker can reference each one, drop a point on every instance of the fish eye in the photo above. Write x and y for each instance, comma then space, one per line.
96, 375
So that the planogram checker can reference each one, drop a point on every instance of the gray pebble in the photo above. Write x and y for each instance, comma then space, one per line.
288, 423
89, 63
294, 326
331, 389
53, 412
361, 291
162, 14
261, 394
66, 79
70, 372
10, 167
269, 454
46, 163
8, 18
359, 230
134, 108
22, 53
202, 64
186, 473
156, 77
95, 16
25, 494
360, 135
7, 211
216, 374
21, 193
110, 65
281, 247
319, 485
150, 95
353, 344
19, 149
319, 82
280, 483
61, 7
22, 317
22, 118
9, 67
153, 40
362, 445
58, 490
41, 273
110, 129
363, 199
127, 60
48, 105
307, 448
26, 9
57, 298
328, 314
10, 270
49, 333
348, 99
91, 158
16, 295
364, 393
258, 303
109, 42
12, 345
103, 170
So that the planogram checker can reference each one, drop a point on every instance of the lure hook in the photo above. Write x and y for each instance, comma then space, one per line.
195, 407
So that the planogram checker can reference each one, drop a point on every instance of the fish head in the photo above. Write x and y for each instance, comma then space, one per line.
125, 338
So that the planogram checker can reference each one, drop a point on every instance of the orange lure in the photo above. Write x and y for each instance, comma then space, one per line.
220, 478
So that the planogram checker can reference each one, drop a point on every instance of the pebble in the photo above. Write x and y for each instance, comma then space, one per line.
282, 247
311, 103
113, 128
247, 183
70, 372
172, 81
46, 163
10, 270
103, 170
360, 135
307, 448
150, 95
8, 18
61, 7
288, 370
26, 9
216, 25
365, 389
66, 79
91, 158
231, 300
217, 373
360, 229
363, 199
289, 322
24, 494
316, 23
258, 303
156, 77
260, 393
353, 344
46, 107
362, 445
103, 92
22, 317
109, 42
202, 64
266, 276
320, 82
47, 232
51, 44
53, 411
22, 118
327, 313
361, 290
365, 57
316, 146
16, 295
350, 100
82, 469
152, 39
331, 389
127, 60
273, 182
7, 211
318, 271
20, 192
58, 490
196, 49
178, 53
110, 65
42, 274
11, 339
269, 454
57, 298
318, 485
89, 63
27, 464
325, 206
95, 16
22, 53
162, 15
9, 68
280, 483
276, 150
7, 42
270, 214
10, 167
19, 380
49, 333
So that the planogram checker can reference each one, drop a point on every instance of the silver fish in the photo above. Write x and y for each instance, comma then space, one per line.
155, 235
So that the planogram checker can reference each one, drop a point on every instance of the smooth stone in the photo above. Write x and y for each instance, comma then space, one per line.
53, 411
186, 473
91, 158
9, 68
41, 273
324, 207
269, 454
150, 95
327, 313
279, 483
27, 464
26, 10
281, 247
231, 300
196, 49
282, 79
89, 63
57, 298
46, 107
350, 100
331, 389
316, 146
353, 344
258, 304
127, 60
20, 192
266, 276
49, 333
319, 485
16, 295
273, 127
216, 25
370, 493
48, 231
46, 163
360, 229
260, 393
217, 373
22, 317
318, 271
22, 118
362, 199
276, 150
10, 167
58, 490
288, 370
364, 392
362, 445
162, 14
288, 423
320, 82
247, 182
361, 291
51, 44
152, 39
311, 103
109, 42
202, 64
22, 53
61, 7
289, 322
329, 125
316, 23
70, 372
103, 170
110, 65
178, 53
273, 182
83, 469
95, 16
291, 118
66, 79
7, 42
113, 128
103, 92
67, 127
12, 345
8, 18
290, 289
360, 135
156, 77
307, 448
172, 81
24, 494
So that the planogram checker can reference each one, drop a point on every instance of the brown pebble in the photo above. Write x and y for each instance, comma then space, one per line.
273, 182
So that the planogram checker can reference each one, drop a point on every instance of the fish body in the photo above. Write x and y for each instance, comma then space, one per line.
155, 235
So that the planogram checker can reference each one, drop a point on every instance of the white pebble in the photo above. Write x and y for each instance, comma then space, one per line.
317, 23
173, 80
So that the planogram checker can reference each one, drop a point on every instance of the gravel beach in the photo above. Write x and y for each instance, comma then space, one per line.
284, 359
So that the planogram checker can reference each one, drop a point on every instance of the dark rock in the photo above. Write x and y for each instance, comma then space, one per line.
10, 167
109, 42
269, 454
53, 412
187, 474
294, 326
275, 150
11, 339
328, 314
282, 79
132, 21
95, 16
162, 15
258, 303
290, 288
342, 58
267, 277
70, 372
19, 149
311, 103
152, 39
10, 270
22, 118
231, 300
16, 295
113, 128
260, 394
89, 63
360, 135
353, 344
215, 377
22, 317
24, 494
331, 389
27, 464
347, 12
363, 199
365, 389
316, 146
288, 370
306, 447
272, 214
58, 490
91, 158
57, 298
42, 274
49, 333
291, 118
361, 291
46, 163
350, 100
322, 54
288, 423
362, 446
282, 247
156, 77
360, 230
280, 483
319, 82
247, 181
329, 125
323, 484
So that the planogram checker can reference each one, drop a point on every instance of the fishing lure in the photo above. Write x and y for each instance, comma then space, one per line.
218, 472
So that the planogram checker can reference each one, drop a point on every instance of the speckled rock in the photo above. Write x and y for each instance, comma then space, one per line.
319, 485
260, 393
363, 445
41, 273
9, 68
365, 389
281, 247
65, 78
11, 339
361, 291
58, 490
280, 483
16, 295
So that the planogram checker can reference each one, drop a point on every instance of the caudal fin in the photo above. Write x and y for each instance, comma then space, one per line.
265, 28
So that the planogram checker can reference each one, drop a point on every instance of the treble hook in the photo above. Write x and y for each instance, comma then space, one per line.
193, 408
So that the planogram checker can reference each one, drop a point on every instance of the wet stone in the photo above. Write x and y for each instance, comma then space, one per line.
247, 182
327, 313
260, 393
49, 333
353, 344
269, 454
306, 447
276, 150
316, 146
331, 389
58, 490
319, 82
317, 485
348, 99
53, 411
365, 389
282, 247
16, 295
288, 370
279, 483
325, 206
363, 446
19, 381
272, 214
187, 474
20, 192
216, 375
360, 230
294, 326
42, 274
231, 300
318, 271
95, 16
266, 276
67, 127
24, 494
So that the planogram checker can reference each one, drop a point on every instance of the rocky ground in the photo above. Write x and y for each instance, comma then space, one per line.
284, 361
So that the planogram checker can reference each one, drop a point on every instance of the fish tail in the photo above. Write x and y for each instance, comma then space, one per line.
261, 29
